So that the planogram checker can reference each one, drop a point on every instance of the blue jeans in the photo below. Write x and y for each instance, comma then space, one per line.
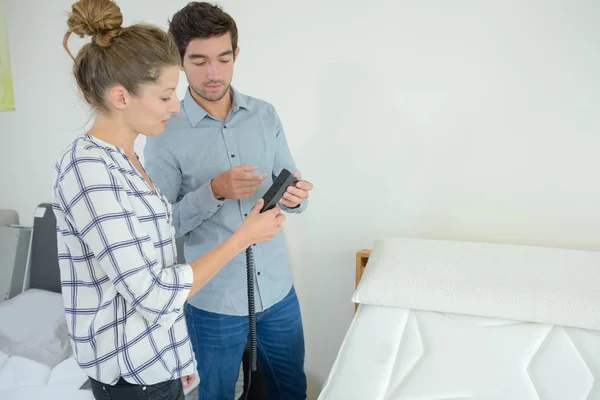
219, 341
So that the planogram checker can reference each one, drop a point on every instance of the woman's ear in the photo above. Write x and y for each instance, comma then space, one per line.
118, 97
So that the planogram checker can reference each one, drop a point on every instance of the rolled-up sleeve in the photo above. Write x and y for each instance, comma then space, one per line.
98, 208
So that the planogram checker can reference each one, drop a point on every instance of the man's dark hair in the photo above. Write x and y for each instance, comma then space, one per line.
201, 20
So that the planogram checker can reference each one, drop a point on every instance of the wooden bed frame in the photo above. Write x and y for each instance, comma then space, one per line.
362, 257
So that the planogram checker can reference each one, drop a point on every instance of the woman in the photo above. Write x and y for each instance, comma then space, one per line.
122, 291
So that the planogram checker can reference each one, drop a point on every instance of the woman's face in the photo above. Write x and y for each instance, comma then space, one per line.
149, 111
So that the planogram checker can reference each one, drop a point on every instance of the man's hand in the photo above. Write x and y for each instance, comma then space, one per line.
295, 194
187, 380
237, 183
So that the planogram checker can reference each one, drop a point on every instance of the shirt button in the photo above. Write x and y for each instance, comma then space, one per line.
233, 156
245, 215
258, 273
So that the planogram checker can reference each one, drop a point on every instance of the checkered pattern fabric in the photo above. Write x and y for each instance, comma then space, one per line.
123, 292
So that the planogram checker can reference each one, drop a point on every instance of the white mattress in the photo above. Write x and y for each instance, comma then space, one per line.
394, 353
448, 320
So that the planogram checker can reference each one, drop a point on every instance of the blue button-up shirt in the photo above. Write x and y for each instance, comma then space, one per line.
196, 147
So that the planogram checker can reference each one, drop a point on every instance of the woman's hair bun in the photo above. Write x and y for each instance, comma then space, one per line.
100, 19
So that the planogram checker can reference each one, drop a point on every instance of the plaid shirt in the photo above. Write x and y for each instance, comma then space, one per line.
122, 291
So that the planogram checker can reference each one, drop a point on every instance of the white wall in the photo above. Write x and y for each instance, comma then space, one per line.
459, 120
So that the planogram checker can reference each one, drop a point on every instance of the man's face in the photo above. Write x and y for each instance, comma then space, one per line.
208, 66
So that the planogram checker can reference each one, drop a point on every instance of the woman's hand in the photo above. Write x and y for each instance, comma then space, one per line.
259, 227
187, 380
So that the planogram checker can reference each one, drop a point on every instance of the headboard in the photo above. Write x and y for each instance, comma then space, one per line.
43, 265
8, 217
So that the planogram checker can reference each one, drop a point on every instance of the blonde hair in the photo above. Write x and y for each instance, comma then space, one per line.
128, 56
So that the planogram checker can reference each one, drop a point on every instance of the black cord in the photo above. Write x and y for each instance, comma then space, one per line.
248, 386
251, 315
251, 311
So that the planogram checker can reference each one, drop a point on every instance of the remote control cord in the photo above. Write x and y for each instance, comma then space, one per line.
251, 314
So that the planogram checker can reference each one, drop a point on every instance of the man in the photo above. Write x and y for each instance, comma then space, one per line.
213, 161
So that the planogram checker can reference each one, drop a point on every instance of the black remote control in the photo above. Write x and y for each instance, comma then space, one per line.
277, 189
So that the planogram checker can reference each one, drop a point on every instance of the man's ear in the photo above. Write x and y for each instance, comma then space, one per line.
235, 55
118, 97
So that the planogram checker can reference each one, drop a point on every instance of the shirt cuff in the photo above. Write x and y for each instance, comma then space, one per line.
206, 198
295, 210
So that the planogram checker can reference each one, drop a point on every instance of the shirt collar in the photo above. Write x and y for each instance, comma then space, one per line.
239, 101
196, 113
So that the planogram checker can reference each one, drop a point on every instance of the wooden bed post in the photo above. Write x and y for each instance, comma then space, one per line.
362, 257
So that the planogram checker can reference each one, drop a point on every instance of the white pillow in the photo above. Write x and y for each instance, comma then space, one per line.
34, 327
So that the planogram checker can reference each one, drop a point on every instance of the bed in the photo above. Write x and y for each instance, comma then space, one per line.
36, 359
35, 354
458, 320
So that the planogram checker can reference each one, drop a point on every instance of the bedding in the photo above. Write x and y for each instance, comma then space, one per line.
46, 392
35, 353
21, 378
455, 320
34, 327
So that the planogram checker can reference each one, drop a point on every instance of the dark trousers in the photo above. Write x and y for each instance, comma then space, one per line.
123, 390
